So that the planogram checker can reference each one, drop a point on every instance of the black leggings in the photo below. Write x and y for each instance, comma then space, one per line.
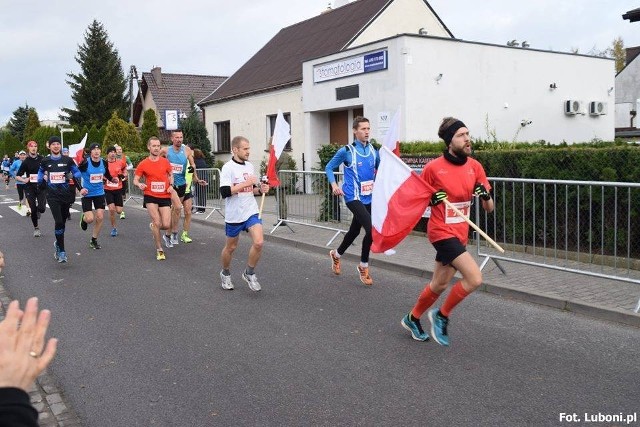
37, 203
20, 189
59, 210
361, 219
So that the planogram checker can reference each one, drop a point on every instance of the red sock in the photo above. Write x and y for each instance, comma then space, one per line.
456, 295
425, 300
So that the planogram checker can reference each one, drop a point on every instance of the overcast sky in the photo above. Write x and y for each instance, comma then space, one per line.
39, 40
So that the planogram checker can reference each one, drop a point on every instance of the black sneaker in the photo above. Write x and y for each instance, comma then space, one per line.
93, 244
83, 224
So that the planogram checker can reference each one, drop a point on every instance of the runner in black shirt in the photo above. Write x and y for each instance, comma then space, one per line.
35, 196
55, 172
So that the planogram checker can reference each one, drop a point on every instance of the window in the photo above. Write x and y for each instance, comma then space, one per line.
222, 137
271, 125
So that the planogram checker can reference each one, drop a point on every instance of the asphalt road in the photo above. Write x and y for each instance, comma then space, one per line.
146, 343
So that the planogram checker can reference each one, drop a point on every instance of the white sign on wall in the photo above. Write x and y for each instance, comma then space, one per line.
365, 63
384, 122
171, 119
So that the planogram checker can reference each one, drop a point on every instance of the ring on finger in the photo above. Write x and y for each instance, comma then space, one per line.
33, 354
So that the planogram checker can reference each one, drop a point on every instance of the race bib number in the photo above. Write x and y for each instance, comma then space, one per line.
366, 187
33, 177
95, 178
158, 187
453, 218
246, 191
112, 184
57, 177
177, 168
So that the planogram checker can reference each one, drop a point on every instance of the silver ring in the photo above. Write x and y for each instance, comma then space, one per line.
33, 354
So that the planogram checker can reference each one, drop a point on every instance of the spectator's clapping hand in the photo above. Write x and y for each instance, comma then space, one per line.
23, 355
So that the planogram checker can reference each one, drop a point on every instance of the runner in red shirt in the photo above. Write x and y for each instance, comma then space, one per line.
113, 191
458, 177
158, 192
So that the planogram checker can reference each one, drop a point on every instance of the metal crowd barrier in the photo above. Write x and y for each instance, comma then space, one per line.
305, 197
208, 197
582, 227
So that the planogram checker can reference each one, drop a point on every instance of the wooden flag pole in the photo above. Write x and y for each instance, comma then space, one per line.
262, 205
475, 227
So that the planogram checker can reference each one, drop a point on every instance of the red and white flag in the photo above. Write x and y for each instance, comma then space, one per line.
76, 150
399, 199
392, 137
281, 135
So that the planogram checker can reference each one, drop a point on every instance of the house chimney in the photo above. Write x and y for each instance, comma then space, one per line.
157, 75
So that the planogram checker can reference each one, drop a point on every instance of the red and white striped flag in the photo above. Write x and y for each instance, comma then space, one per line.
76, 150
281, 135
399, 199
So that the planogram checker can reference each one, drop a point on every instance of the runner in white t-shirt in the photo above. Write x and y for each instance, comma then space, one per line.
238, 186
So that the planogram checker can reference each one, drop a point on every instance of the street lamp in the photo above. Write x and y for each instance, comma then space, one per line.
62, 131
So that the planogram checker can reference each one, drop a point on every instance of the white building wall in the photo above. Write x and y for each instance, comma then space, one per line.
502, 86
480, 84
627, 94
248, 118
380, 92
400, 17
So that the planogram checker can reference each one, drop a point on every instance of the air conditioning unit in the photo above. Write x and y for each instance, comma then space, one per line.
597, 108
572, 107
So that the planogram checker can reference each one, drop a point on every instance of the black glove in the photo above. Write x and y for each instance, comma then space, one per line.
438, 197
481, 192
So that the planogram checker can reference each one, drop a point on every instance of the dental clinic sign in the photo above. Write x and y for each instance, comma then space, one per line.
367, 63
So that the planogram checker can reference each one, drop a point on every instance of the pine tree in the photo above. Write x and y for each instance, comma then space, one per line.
195, 132
149, 125
33, 123
122, 133
18, 122
99, 89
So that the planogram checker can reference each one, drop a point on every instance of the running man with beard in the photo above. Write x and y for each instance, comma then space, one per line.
158, 192
181, 157
458, 178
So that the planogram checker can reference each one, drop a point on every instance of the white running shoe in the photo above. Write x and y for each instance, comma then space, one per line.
226, 282
252, 281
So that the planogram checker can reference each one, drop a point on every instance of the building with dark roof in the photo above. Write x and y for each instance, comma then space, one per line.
632, 15
167, 93
375, 57
272, 78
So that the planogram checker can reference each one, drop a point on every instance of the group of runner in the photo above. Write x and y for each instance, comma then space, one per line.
457, 178
56, 178
163, 177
